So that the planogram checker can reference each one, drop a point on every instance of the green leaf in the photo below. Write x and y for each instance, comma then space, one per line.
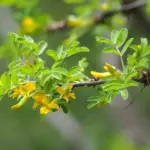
114, 36
74, 51
104, 40
60, 70
130, 83
56, 75
28, 38
14, 78
57, 63
5, 80
124, 94
2, 92
146, 51
13, 35
76, 77
83, 64
111, 95
127, 44
14, 65
53, 54
60, 51
27, 70
111, 50
130, 75
122, 37
111, 84
64, 108
74, 70
134, 47
92, 104
144, 43
93, 99
42, 46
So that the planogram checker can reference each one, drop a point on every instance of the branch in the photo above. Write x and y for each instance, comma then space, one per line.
93, 82
62, 25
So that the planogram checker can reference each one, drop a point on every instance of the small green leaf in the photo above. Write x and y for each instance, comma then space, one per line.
64, 108
53, 54
42, 46
114, 36
93, 99
144, 43
130, 76
60, 51
124, 94
56, 75
29, 39
122, 37
83, 64
104, 40
146, 51
27, 70
130, 83
134, 47
74, 70
92, 104
112, 83
74, 51
2, 93
60, 70
127, 44
14, 65
14, 78
57, 63
112, 95
111, 50
5, 80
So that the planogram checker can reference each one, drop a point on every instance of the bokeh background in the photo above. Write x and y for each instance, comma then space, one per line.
107, 128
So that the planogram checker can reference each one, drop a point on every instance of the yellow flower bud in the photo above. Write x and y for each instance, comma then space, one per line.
105, 6
29, 25
109, 68
139, 46
99, 75
76, 22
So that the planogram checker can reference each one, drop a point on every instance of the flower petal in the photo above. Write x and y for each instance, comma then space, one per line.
44, 110
66, 98
100, 75
53, 106
72, 95
60, 90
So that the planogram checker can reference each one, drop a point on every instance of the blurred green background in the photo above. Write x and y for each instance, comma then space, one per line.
107, 128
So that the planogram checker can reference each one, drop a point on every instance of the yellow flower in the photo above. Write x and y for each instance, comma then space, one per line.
20, 104
48, 108
105, 6
99, 75
139, 46
111, 72
24, 90
40, 99
29, 25
109, 68
66, 93
76, 22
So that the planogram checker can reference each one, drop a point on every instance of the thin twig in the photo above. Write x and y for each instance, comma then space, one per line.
62, 25
94, 83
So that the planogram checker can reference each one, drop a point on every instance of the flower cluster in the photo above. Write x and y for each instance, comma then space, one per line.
41, 99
